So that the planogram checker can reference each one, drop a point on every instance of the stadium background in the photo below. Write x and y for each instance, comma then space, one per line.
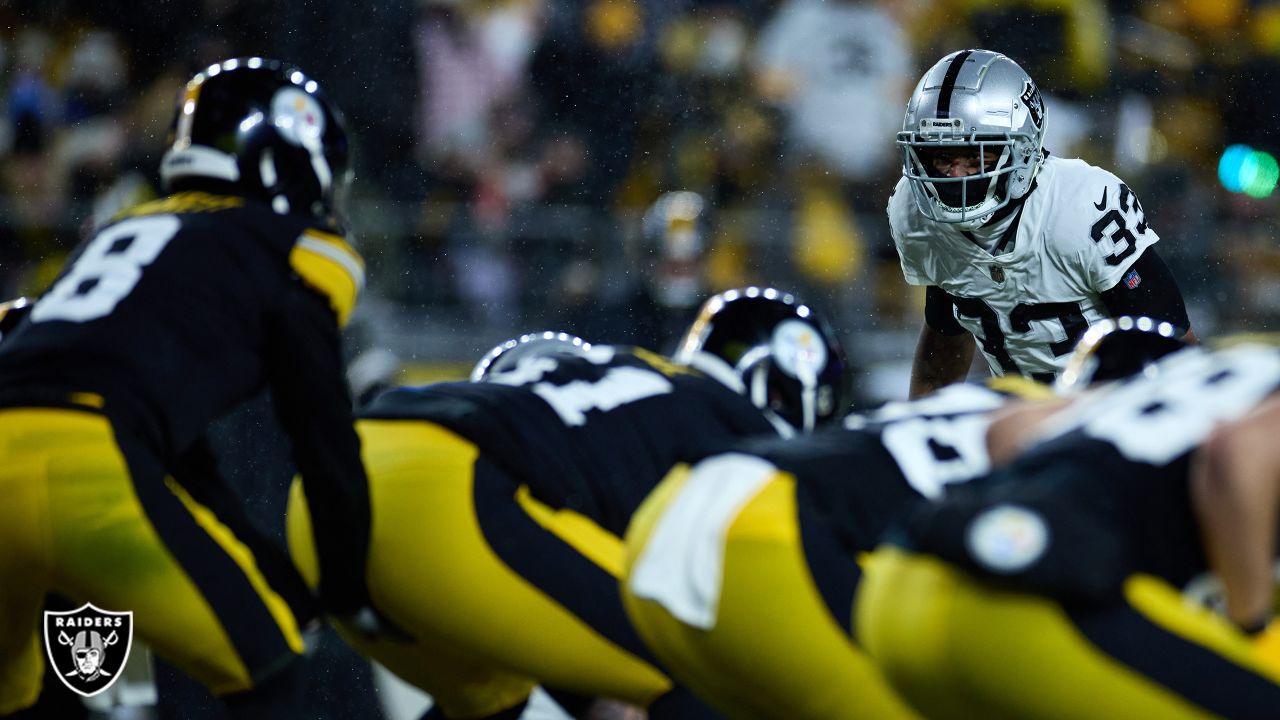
507, 152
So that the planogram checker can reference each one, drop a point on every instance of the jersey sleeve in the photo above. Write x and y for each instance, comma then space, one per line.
1118, 232
939, 313
330, 266
1148, 289
304, 366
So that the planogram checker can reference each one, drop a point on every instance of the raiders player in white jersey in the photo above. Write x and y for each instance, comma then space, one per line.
1021, 249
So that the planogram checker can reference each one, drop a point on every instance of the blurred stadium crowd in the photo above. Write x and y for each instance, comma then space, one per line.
510, 152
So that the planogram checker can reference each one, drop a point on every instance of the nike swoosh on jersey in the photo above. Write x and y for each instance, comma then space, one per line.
1102, 204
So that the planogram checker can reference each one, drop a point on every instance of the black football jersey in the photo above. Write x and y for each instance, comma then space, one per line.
1109, 477
181, 309
592, 434
859, 477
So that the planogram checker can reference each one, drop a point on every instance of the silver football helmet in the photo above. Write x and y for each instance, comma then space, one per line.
982, 104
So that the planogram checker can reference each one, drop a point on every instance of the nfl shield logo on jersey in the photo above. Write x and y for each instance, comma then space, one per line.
88, 647
997, 274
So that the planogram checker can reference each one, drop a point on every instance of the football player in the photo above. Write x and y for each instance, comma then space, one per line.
501, 503
1061, 586
166, 318
1018, 248
741, 570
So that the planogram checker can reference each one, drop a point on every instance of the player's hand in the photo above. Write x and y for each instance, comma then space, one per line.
373, 625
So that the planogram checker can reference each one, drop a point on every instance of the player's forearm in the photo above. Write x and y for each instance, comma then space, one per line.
1235, 484
939, 361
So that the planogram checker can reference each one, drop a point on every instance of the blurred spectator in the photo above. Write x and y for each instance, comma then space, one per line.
470, 61
592, 75
841, 70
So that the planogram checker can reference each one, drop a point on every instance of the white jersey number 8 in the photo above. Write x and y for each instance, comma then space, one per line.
108, 269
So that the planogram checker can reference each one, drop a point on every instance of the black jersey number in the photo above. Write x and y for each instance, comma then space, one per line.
1111, 226
107, 271
1067, 314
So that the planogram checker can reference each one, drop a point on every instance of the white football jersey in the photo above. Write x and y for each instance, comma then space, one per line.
1080, 230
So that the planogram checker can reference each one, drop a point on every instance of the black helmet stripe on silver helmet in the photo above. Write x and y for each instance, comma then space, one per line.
949, 83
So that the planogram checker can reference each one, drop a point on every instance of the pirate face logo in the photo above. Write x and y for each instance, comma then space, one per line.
88, 646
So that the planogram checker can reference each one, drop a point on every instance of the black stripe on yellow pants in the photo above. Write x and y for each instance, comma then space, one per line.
72, 521
774, 651
259, 623
1189, 651
956, 647
483, 633
832, 567
565, 572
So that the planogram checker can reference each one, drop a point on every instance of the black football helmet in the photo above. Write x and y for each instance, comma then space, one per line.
783, 356
266, 130
507, 354
11, 313
1117, 348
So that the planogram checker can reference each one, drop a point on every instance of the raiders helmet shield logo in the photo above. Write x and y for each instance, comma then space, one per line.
1035, 104
88, 647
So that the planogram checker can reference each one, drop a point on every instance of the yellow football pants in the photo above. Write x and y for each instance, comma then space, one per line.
775, 651
484, 633
956, 647
77, 519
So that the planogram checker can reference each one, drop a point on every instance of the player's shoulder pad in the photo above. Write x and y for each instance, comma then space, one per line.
1097, 220
1020, 387
1084, 191
327, 263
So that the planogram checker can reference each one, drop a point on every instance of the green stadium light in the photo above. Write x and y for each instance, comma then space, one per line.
1243, 169
1266, 174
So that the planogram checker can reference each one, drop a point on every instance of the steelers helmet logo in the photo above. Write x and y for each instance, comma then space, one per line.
298, 117
1007, 539
798, 349
88, 646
